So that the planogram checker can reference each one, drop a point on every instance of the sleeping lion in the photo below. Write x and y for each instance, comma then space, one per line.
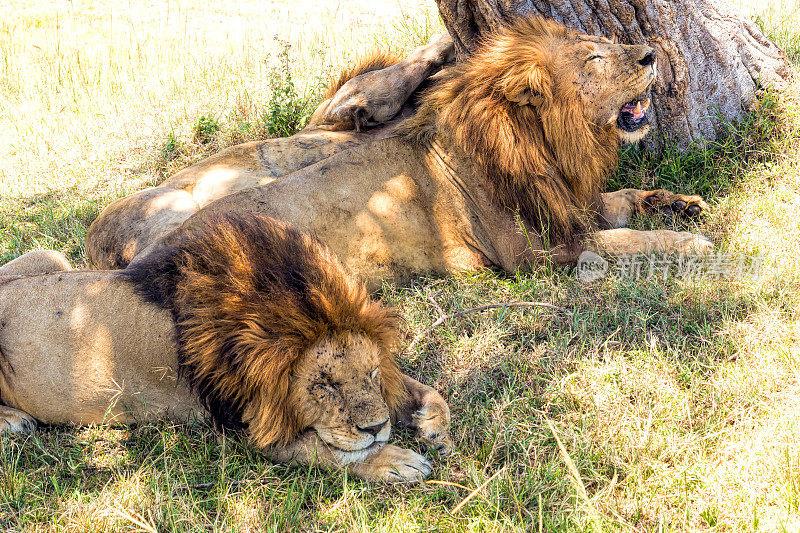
244, 320
502, 165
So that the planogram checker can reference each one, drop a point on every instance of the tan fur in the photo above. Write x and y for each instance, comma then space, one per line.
246, 320
36, 262
503, 165
82, 347
375, 60
131, 224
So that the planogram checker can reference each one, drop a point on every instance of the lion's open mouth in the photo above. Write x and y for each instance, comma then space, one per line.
633, 115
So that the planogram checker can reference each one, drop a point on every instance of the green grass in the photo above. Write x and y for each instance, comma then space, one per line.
676, 400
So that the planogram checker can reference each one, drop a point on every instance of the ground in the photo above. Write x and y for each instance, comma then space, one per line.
633, 405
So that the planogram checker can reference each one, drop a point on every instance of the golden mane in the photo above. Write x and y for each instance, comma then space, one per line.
525, 130
250, 296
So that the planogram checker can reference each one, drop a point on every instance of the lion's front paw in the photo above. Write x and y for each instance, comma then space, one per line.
15, 421
394, 464
693, 243
433, 428
686, 205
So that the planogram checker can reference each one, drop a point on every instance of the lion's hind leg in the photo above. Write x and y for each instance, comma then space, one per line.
15, 421
36, 262
376, 90
617, 208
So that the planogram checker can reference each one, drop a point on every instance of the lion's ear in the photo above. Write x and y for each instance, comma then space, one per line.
529, 88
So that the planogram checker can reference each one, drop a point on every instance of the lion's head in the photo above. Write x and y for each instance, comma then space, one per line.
338, 386
274, 336
611, 81
540, 110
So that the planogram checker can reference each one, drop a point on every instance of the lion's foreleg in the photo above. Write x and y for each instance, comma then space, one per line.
385, 463
307, 449
428, 413
624, 241
617, 208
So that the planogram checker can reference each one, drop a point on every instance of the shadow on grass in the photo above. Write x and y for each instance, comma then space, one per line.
505, 373
159, 473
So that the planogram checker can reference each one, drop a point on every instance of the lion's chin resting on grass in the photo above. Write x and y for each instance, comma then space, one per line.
244, 320
503, 165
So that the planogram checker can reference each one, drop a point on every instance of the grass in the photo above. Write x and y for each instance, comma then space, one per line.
675, 401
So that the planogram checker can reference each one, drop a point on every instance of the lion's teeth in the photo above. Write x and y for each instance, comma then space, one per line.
646, 104
638, 108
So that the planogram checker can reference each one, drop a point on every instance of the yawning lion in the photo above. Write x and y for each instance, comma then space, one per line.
503, 164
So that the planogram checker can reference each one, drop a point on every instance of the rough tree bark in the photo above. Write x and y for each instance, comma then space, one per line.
711, 59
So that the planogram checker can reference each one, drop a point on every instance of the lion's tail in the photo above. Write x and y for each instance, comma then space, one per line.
375, 60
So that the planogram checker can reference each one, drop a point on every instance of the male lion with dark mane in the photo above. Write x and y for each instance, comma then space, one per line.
243, 319
503, 164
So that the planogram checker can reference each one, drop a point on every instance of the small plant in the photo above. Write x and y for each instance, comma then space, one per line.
205, 130
710, 516
287, 111
169, 150
782, 30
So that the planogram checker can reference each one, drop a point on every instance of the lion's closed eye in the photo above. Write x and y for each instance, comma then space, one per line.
324, 389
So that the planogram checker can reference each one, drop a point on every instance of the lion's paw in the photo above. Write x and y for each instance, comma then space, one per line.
690, 206
394, 465
693, 242
15, 421
433, 428
687, 205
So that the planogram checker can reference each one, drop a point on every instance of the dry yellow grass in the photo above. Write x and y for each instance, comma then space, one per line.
89, 87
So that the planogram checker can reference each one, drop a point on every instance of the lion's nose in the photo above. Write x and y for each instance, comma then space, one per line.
373, 429
648, 58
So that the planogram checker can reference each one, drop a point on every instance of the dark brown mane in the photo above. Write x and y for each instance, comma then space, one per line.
250, 295
527, 135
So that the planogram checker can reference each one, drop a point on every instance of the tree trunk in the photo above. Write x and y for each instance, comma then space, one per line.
711, 59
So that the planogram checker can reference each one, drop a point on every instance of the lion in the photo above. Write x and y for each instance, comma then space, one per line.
130, 224
502, 165
245, 320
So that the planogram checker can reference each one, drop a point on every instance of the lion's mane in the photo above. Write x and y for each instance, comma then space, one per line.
524, 128
250, 296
